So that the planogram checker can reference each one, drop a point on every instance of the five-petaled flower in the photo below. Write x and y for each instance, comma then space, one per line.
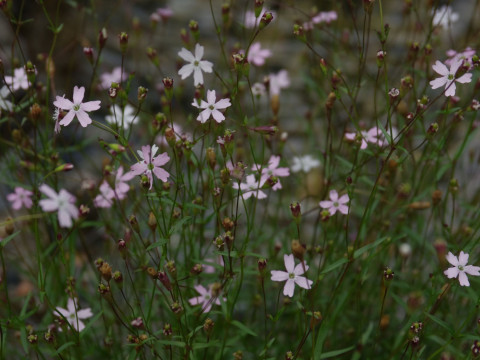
335, 203
122, 117
63, 203
373, 136
196, 64
292, 275
19, 80
211, 108
273, 170
460, 268
206, 298
74, 316
448, 77
76, 108
20, 197
150, 163
304, 163
251, 187
257, 55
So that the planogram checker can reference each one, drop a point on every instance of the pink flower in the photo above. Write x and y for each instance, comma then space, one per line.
151, 163
325, 16
20, 197
76, 108
273, 170
196, 65
211, 108
466, 55
251, 187
106, 196
278, 81
63, 203
251, 21
336, 203
210, 269
206, 298
372, 136
292, 275
73, 316
257, 55
448, 76
460, 268
19, 80
121, 187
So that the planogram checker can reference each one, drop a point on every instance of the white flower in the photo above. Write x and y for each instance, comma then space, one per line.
119, 117
444, 16
106, 79
19, 80
211, 108
278, 81
257, 55
292, 275
251, 21
251, 187
63, 202
448, 77
460, 268
304, 163
73, 315
196, 65
258, 89
4, 103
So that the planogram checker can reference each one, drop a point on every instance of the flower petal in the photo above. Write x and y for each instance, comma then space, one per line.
463, 258
289, 288
452, 259
289, 262
303, 282
452, 272
463, 279
186, 55
78, 94
92, 106
440, 68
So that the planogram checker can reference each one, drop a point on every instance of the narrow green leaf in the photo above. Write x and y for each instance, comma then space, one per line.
334, 353
158, 243
8, 238
64, 346
243, 328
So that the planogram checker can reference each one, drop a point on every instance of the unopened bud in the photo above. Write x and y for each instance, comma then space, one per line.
141, 94
298, 249
211, 158
134, 223
208, 326
88, 52
102, 38
123, 39
152, 221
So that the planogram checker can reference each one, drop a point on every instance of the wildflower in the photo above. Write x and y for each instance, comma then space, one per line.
121, 187
211, 108
448, 77
4, 103
257, 55
122, 117
304, 163
196, 64
251, 187
206, 298
20, 197
151, 163
76, 108
325, 16
165, 13
465, 55
273, 170
444, 16
258, 89
336, 203
460, 268
371, 136
116, 76
106, 196
278, 81
19, 79
210, 269
74, 316
63, 203
292, 275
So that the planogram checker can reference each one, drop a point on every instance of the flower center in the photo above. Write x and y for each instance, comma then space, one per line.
211, 107
195, 63
460, 267
150, 166
207, 297
336, 204
450, 76
291, 276
76, 107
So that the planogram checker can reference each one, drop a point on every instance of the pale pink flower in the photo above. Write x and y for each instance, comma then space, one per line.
251, 188
196, 65
116, 76
150, 163
448, 77
76, 108
206, 298
19, 80
63, 203
258, 89
292, 275
210, 269
211, 107
165, 13
273, 170
21, 197
121, 187
74, 316
325, 16
373, 136
304, 163
278, 81
466, 55
257, 55
335, 203
106, 196
5, 104
460, 268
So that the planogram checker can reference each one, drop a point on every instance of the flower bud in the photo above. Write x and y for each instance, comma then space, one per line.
106, 271
164, 279
227, 224
123, 40
316, 319
9, 227
388, 274
262, 264
193, 26
141, 94
134, 223
153, 56
258, 7
171, 268
102, 38
298, 249
211, 158
208, 326
296, 211
176, 308
197, 269
88, 52
266, 19
436, 197
152, 221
